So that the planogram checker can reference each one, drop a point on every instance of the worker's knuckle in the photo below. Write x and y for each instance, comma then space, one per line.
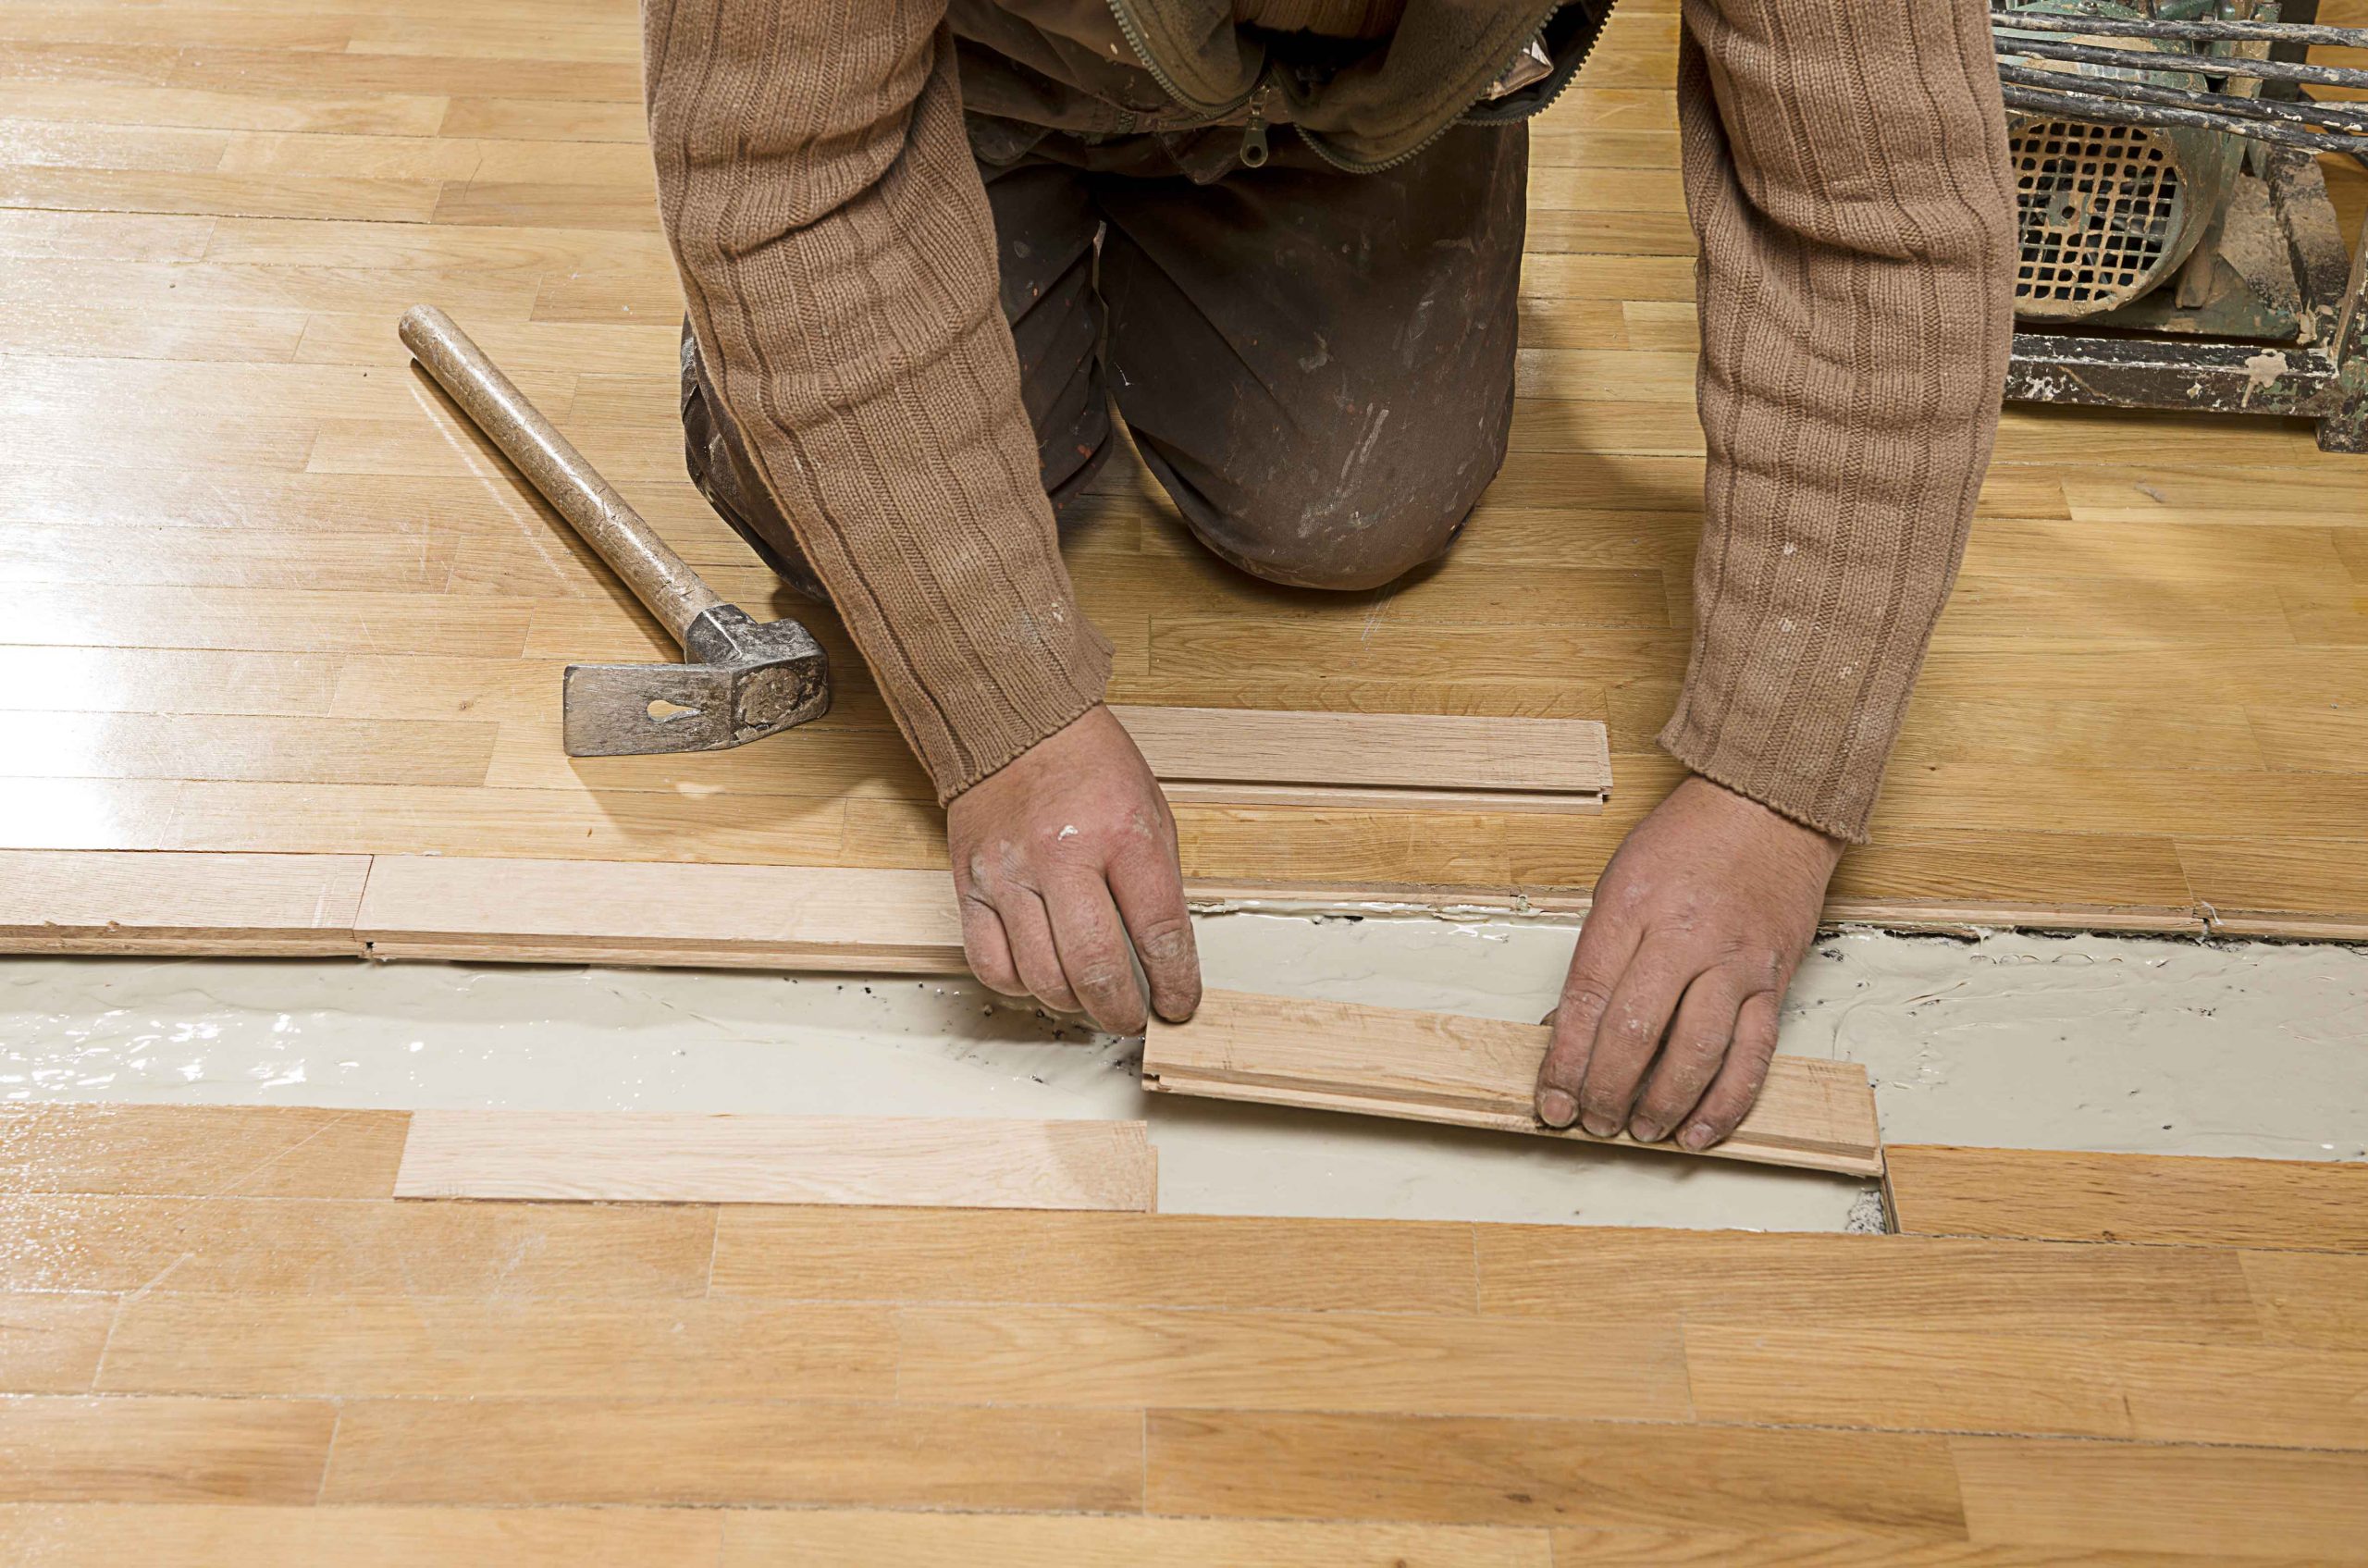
1165, 936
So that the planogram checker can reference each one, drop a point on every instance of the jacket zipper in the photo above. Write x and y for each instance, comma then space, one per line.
1352, 167
1134, 36
1254, 148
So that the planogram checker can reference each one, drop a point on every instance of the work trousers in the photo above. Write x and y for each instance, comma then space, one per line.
1317, 365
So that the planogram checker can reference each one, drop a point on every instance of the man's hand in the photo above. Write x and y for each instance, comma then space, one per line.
1060, 858
1696, 926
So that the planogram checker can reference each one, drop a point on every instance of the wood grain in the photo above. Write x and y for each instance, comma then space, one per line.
846, 1539
529, 1452
946, 1161
59, 1449
199, 1151
1292, 1360
308, 1247
1102, 1259
1263, 757
2277, 1502
2317, 1205
70, 902
1476, 1472
770, 917
1472, 1072
208, 1536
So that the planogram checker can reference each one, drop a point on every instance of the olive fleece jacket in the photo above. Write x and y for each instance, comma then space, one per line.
1845, 170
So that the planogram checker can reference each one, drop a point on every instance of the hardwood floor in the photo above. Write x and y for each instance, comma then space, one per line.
267, 592
221, 1341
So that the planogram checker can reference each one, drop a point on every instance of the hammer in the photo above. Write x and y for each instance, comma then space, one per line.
741, 679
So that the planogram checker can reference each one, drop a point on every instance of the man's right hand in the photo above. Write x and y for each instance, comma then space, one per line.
1062, 859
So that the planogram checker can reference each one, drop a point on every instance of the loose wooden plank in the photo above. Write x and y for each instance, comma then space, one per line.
603, 911
846, 1537
1466, 1471
679, 1452
1265, 756
2056, 1195
941, 1161
78, 1449
1472, 1072
208, 1536
95, 901
201, 1151
1094, 1258
1339, 1361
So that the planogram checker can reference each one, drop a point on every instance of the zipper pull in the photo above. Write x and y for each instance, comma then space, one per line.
1253, 135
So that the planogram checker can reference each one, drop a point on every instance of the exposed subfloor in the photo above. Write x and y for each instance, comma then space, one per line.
2014, 1040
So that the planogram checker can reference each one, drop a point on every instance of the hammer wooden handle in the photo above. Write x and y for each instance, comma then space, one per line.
663, 580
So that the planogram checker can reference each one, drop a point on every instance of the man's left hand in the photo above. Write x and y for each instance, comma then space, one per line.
1669, 1016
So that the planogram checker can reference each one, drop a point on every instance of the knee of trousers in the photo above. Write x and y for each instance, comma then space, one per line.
1345, 524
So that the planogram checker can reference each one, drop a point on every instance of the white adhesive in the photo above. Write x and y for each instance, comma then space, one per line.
2027, 1041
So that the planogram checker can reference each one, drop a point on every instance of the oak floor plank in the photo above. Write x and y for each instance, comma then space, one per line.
2263, 1396
105, 902
600, 1450
1111, 1260
208, 1536
1336, 1361
432, 1346
2165, 1498
828, 918
1486, 1472
75, 1449
51, 1344
2049, 1289
2313, 1206
308, 1247
658, 1156
199, 1151
2311, 1298
846, 1539
1471, 1072
1821, 1548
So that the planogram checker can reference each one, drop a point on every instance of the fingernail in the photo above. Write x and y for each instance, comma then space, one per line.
1644, 1131
1698, 1137
1603, 1126
1555, 1108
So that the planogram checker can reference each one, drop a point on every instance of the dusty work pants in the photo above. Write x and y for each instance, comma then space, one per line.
1317, 367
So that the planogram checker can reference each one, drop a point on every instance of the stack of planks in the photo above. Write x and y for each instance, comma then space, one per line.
222, 1340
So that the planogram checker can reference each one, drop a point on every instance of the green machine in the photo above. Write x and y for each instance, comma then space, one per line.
2178, 246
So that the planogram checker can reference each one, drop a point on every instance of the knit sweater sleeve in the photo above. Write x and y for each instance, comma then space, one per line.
1845, 170
837, 255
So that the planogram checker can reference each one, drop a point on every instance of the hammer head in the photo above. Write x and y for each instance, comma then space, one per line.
740, 680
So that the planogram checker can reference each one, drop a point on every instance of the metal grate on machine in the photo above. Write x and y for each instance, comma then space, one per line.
2097, 206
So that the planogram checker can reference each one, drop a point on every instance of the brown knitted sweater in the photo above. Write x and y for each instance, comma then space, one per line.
1845, 170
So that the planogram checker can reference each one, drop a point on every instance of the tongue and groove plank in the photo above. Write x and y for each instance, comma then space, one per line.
766, 917
162, 902
1473, 1072
666, 1158
1239, 755
2052, 1195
